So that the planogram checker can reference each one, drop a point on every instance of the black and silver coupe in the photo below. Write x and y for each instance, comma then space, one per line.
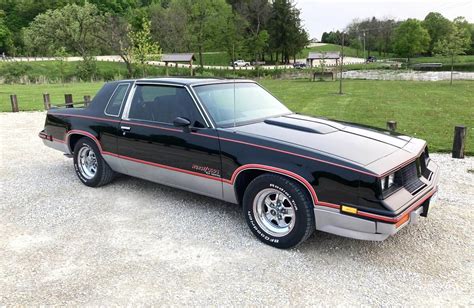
232, 140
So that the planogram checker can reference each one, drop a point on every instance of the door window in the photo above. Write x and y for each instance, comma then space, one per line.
164, 104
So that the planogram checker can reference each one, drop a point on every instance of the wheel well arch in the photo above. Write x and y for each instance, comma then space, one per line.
247, 173
74, 136
72, 140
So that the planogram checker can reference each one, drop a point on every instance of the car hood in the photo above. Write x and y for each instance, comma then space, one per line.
359, 144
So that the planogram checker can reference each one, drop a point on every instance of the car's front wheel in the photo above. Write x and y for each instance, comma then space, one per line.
278, 210
89, 164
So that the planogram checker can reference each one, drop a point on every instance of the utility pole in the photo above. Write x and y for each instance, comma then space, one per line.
342, 62
364, 47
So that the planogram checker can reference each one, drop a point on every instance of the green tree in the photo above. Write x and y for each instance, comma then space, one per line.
19, 14
209, 23
115, 35
287, 35
6, 41
260, 43
170, 25
438, 27
453, 44
463, 23
142, 47
252, 25
73, 27
61, 59
410, 38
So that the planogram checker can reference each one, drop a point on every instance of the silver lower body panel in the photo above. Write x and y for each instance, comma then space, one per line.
60, 146
177, 179
332, 221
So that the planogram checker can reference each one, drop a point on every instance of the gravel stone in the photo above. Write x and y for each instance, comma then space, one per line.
136, 242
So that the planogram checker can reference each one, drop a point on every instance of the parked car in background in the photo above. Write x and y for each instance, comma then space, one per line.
371, 59
234, 141
299, 65
241, 63
257, 63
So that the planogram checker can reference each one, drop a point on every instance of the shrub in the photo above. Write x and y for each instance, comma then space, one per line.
87, 69
13, 72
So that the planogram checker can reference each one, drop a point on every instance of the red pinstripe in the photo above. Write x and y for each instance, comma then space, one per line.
226, 139
246, 167
400, 216
277, 170
86, 117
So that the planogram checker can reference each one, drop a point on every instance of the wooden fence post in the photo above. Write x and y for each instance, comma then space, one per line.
68, 101
14, 102
87, 100
459, 141
392, 125
46, 101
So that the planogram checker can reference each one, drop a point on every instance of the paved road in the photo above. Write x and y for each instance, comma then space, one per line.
134, 242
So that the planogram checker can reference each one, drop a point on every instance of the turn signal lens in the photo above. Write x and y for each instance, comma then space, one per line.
349, 209
403, 220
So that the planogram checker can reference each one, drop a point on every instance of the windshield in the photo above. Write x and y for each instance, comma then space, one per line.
252, 103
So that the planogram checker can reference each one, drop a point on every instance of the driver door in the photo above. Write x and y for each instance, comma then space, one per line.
151, 147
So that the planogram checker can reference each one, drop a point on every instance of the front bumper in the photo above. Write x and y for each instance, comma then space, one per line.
373, 227
335, 222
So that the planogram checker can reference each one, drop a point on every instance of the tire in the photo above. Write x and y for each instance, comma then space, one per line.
90, 176
292, 219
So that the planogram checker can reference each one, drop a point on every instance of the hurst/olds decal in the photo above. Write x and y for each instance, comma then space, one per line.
207, 170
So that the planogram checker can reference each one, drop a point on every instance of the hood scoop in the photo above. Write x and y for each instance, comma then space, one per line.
301, 125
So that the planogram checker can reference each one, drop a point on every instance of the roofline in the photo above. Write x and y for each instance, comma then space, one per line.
185, 81
222, 81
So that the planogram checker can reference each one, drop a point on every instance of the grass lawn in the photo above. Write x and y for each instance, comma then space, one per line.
427, 110
30, 97
445, 60
219, 58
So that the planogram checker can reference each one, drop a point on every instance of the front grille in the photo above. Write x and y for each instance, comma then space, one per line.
410, 178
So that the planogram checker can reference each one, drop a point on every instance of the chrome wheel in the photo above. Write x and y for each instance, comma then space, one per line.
87, 162
274, 212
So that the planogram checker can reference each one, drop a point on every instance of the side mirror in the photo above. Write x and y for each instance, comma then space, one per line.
182, 122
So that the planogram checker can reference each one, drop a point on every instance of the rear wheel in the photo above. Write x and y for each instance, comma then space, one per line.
278, 210
89, 164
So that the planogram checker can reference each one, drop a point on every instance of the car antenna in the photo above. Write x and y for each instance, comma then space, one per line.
233, 65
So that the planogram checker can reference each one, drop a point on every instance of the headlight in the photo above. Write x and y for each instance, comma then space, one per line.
387, 181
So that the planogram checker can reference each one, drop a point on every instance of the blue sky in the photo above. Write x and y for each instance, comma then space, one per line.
327, 15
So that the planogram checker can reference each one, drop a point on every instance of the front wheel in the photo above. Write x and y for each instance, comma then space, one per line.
278, 210
89, 164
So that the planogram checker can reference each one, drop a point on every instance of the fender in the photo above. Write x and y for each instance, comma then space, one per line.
284, 172
87, 134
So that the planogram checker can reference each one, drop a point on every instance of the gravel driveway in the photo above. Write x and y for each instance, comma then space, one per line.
134, 242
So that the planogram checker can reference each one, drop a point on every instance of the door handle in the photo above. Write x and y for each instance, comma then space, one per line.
125, 129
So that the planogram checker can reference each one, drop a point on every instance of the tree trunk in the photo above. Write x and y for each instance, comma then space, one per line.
129, 66
200, 57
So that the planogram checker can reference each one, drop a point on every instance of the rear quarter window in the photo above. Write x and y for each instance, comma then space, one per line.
115, 103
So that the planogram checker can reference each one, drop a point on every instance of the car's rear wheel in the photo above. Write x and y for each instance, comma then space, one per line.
89, 164
278, 210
